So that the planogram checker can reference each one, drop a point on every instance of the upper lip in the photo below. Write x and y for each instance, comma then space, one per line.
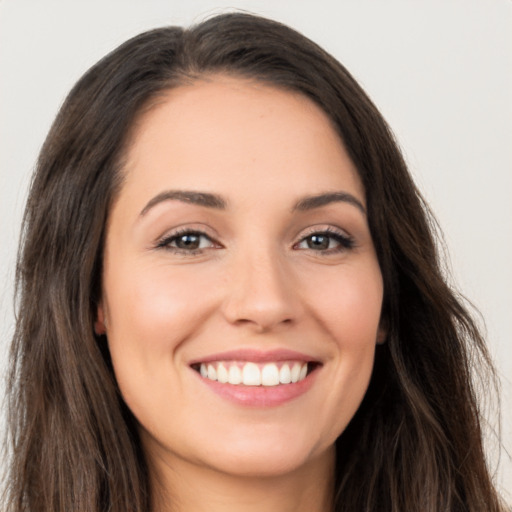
255, 356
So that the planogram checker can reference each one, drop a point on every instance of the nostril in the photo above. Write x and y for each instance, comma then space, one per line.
263, 298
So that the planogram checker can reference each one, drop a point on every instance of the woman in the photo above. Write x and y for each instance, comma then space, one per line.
230, 295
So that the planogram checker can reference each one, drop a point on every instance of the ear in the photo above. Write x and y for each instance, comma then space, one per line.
382, 333
100, 323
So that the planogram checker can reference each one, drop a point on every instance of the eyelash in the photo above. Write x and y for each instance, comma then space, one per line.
344, 241
165, 243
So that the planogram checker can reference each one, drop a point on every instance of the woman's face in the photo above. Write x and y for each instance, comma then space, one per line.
241, 289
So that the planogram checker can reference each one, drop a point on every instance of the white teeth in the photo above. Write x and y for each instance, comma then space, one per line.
235, 375
270, 375
252, 374
222, 373
295, 373
285, 375
212, 372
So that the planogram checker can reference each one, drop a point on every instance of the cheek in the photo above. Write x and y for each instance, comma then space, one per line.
152, 310
155, 304
352, 317
149, 314
347, 302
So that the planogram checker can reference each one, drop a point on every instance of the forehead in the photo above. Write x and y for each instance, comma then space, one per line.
219, 130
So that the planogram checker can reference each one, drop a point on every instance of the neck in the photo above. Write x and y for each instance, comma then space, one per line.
185, 487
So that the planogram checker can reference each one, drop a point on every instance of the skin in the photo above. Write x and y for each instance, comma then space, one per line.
256, 283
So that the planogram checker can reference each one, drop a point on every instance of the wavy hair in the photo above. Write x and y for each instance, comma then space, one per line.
415, 443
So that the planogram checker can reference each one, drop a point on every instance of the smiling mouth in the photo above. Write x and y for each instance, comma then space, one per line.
247, 373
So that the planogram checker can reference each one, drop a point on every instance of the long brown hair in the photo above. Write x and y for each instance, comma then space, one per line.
415, 443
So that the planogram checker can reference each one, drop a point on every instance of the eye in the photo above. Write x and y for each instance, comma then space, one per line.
187, 242
326, 241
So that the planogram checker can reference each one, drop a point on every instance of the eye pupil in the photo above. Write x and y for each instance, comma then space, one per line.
318, 242
188, 241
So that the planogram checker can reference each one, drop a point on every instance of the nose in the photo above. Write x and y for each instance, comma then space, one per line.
261, 292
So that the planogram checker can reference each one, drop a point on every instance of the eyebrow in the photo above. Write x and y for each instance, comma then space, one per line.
319, 200
187, 196
215, 201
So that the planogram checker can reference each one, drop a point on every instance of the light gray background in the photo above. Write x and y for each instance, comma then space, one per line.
439, 70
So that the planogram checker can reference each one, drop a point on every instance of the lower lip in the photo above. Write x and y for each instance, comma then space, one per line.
261, 396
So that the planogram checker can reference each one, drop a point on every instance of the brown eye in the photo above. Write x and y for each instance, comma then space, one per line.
187, 242
326, 242
318, 242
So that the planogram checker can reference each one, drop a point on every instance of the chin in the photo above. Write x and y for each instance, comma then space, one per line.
260, 465
265, 455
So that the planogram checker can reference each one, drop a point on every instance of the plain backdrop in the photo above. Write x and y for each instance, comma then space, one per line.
439, 70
